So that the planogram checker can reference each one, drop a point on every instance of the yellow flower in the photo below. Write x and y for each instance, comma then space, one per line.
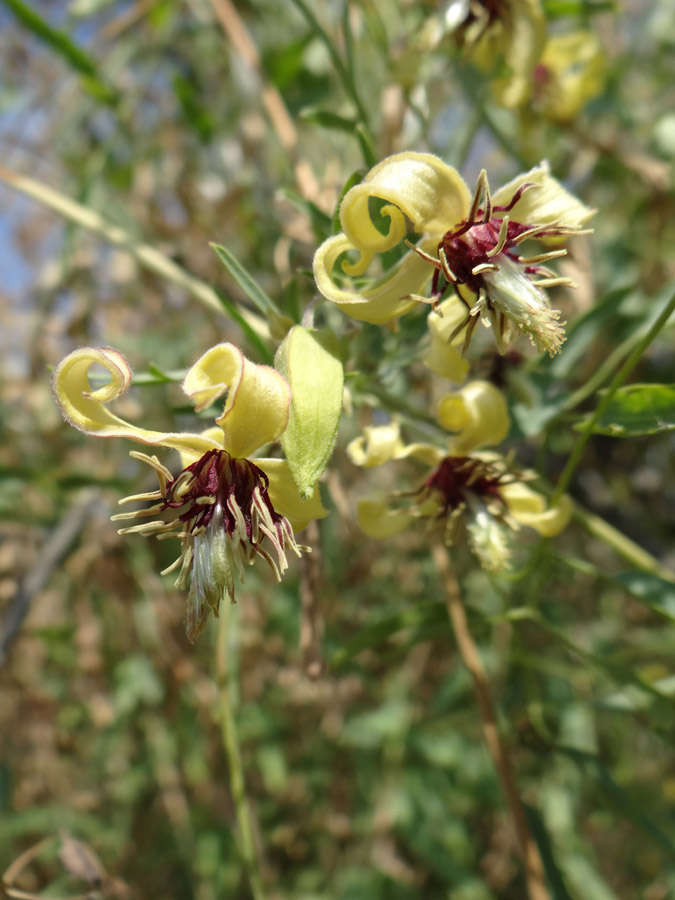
480, 492
568, 75
476, 415
498, 35
225, 508
445, 325
467, 244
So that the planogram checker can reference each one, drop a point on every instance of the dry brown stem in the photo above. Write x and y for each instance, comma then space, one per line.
529, 852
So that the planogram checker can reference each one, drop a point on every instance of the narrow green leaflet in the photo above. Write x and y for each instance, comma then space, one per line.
260, 298
559, 9
61, 44
620, 799
367, 145
638, 409
325, 118
654, 592
310, 360
553, 873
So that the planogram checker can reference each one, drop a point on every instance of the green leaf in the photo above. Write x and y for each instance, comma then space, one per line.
250, 332
637, 409
61, 44
310, 360
559, 9
155, 375
246, 281
654, 592
554, 875
367, 146
325, 118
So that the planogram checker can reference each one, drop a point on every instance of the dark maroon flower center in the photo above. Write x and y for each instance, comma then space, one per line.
218, 479
469, 246
478, 241
457, 478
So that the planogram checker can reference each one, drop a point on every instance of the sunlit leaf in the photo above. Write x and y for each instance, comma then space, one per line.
654, 592
638, 409
61, 44
255, 293
310, 361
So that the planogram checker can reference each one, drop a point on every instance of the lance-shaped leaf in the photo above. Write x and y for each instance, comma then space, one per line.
310, 362
638, 409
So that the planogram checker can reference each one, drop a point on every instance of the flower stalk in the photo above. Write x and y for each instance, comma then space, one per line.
230, 737
529, 852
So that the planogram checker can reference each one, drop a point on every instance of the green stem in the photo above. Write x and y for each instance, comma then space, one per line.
230, 737
343, 72
621, 544
620, 377
601, 374
391, 402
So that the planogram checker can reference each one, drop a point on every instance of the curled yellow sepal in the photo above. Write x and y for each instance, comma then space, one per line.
85, 409
443, 357
416, 188
378, 520
381, 443
377, 445
257, 398
529, 508
419, 187
380, 301
479, 415
547, 203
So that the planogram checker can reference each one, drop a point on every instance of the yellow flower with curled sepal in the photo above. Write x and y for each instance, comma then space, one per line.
467, 244
480, 492
225, 508
571, 72
497, 36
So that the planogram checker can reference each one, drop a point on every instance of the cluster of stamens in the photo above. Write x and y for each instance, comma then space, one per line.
220, 509
479, 261
465, 489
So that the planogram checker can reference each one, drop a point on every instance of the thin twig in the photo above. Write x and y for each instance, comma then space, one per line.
311, 622
532, 864
341, 69
228, 726
52, 552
